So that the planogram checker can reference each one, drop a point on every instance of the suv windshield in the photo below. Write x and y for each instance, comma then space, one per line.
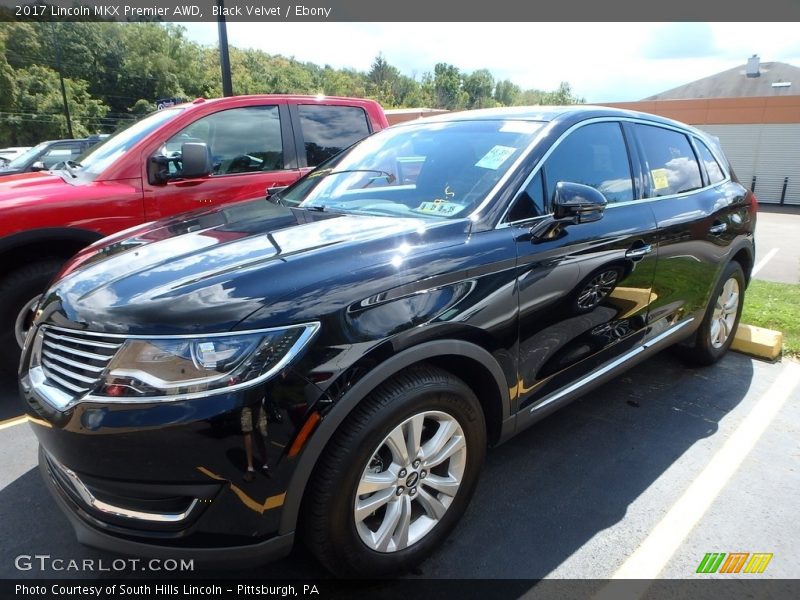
427, 169
99, 157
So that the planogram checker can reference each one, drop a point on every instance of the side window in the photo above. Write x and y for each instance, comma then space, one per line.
593, 155
671, 165
242, 140
327, 130
715, 173
530, 201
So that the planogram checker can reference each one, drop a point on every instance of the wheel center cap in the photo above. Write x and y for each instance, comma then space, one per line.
412, 479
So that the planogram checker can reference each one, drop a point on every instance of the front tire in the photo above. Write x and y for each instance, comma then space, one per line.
19, 291
718, 328
397, 475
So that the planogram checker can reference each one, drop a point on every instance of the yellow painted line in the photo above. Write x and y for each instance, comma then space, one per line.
657, 549
12, 422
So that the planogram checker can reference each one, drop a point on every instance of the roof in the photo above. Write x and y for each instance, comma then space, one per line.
735, 83
545, 114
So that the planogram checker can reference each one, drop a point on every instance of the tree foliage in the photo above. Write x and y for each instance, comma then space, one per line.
114, 73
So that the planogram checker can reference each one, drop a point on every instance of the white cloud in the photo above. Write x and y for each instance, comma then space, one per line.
603, 61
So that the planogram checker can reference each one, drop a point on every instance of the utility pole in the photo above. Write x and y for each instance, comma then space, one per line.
224, 59
61, 77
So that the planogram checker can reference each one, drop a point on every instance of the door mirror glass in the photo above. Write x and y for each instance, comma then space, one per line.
38, 166
195, 160
581, 203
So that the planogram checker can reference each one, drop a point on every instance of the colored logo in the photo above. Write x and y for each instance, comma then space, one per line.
734, 562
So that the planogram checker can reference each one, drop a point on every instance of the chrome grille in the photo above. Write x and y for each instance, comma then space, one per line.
74, 360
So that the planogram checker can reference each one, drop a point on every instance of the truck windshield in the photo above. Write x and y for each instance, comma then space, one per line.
22, 160
433, 169
98, 158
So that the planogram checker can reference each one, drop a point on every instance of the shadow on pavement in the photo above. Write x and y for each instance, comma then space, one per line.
541, 496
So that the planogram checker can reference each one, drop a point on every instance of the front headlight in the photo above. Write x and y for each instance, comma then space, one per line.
178, 367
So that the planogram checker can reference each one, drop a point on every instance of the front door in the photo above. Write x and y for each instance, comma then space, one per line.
252, 149
584, 289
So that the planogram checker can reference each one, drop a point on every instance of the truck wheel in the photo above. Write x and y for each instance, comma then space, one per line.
19, 291
396, 476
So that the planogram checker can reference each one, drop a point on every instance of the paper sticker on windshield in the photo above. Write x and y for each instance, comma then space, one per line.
440, 207
660, 179
495, 157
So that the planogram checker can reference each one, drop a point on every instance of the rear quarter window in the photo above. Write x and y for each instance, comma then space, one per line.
715, 172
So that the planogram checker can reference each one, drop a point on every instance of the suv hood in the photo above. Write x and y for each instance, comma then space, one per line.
209, 271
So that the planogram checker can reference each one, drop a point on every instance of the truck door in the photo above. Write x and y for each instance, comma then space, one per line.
252, 149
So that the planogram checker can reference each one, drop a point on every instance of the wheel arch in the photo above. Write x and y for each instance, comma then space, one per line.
467, 361
48, 242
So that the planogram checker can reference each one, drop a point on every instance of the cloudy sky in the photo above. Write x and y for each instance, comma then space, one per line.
603, 61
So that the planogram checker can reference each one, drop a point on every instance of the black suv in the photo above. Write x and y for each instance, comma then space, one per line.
334, 362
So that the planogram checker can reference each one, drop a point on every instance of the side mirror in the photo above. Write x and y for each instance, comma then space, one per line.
273, 193
577, 202
38, 166
195, 160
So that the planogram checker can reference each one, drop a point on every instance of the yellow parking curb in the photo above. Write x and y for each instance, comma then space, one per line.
758, 342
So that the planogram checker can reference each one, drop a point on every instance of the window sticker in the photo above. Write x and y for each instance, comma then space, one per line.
440, 207
660, 179
495, 157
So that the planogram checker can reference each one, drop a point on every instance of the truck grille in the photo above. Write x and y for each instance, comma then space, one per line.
74, 360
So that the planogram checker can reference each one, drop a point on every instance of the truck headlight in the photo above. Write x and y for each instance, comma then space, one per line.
179, 367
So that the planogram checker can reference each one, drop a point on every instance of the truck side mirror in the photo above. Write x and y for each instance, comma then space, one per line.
195, 160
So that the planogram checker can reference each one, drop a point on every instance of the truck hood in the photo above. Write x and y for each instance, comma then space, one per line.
209, 271
29, 186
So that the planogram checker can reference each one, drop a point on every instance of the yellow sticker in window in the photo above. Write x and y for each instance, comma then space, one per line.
660, 179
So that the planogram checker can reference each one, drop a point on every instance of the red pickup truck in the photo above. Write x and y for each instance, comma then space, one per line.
175, 160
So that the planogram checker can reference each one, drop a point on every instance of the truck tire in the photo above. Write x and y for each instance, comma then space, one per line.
18, 289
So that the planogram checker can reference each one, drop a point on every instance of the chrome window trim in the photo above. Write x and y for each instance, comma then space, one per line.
502, 224
36, 381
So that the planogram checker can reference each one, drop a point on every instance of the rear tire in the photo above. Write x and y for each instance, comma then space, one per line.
721, 320
379, 502
17, 289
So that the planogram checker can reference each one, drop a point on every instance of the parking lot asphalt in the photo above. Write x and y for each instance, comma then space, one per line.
650, 472
778, 243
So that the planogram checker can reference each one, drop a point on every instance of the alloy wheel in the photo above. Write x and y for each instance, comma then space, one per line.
410, 481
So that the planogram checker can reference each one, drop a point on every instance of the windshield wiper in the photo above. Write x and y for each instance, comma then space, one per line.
71, 166
390, 178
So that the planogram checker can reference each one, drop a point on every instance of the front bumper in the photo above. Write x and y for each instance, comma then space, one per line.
96, 533
228, 556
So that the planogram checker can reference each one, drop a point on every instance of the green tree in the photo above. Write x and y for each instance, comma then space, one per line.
447, 92
38, 108
479, 86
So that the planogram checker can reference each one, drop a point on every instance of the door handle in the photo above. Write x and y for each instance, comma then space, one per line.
639, 252
718, 228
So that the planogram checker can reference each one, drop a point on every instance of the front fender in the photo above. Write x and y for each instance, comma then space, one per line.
336, 416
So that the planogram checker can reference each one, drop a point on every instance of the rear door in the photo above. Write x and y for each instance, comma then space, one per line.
252, 149
584, 289
698, 211
324, 130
